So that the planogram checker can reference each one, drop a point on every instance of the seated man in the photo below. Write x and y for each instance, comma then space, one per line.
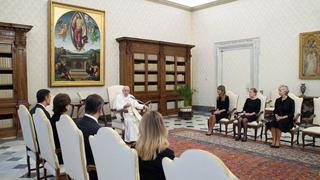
43, 99
132, 118
89, 126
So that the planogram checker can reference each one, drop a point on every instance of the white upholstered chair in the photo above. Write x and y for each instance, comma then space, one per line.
233, 104
313, 131
116, 119
297, 117
72, 147
260, 116
46, 144
196, 164
30, 139
113, 158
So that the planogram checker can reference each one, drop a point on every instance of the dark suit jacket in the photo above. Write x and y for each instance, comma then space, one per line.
33, 110
88, 127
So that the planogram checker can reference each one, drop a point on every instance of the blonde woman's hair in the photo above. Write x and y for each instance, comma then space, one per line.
223, 92
152, 136
285, 87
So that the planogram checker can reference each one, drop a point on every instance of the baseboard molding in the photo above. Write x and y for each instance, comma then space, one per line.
202, 108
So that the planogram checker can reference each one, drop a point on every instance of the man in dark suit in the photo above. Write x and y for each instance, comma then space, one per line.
43, 99
89, 126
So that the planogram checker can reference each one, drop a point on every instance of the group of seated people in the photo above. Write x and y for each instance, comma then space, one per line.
147, 133
283, 113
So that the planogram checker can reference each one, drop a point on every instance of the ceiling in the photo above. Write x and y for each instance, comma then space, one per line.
192, 5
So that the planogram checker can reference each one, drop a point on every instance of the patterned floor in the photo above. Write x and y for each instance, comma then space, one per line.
13, 161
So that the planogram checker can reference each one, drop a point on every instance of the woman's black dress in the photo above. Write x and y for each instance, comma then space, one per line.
222, 105
250, 106
283, 108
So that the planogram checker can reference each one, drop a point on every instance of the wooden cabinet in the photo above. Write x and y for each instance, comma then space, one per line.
13, 76
154, 69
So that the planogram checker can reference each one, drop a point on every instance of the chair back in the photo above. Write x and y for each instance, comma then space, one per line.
274, 95
297, 105
72, 147
113, 92
113, 158
28, 131
263, 100
45, 138
233, 100
316, 108
196, 164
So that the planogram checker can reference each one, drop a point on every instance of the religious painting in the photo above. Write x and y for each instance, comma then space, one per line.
76, 45
310, 55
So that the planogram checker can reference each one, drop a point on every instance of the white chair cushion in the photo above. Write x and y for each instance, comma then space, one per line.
235, 122
254, 123
196, 164
72, 147
224, 120
27, 127
294, 128
313, 130
269, 109
113, 158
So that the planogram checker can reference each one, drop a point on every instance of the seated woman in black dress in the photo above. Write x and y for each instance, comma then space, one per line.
249, 114
221, 111
284, 114
152, 146
61, 104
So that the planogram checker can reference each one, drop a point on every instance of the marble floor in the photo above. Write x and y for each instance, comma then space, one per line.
13, 158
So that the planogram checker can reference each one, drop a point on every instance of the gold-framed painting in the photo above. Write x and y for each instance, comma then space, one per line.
77, 48
309, 55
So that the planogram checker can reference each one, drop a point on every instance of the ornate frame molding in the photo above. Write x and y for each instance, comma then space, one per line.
251, 43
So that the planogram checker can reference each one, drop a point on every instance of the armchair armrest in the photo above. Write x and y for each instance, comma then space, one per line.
295, 119
230, 113
268, 102
258, 115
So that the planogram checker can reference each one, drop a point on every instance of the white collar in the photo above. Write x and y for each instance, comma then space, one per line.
41, 105
92, 117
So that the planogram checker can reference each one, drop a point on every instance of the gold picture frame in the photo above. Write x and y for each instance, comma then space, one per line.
77, 47
309, 67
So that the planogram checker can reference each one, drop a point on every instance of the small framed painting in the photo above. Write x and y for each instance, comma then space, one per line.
310, 55
77, 56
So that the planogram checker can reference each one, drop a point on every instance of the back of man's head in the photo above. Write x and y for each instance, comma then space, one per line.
93, 104
42, 94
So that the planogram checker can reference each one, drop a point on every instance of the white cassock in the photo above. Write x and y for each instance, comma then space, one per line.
132, 118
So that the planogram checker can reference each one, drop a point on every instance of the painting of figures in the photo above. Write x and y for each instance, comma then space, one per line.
310, 55
76, 45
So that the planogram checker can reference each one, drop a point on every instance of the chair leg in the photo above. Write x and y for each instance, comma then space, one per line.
298, 134
226, 125
28, 164
303, 135
292, 136
57, 174
45, 173
220, 129
38, 166
313, 141
234, 130
255, 133
261, 132
266, 134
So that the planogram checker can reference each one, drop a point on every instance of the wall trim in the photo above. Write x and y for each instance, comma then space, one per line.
192, 9
251, 43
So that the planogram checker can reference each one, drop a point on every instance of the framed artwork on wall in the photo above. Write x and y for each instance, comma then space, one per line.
77, 46
309, 55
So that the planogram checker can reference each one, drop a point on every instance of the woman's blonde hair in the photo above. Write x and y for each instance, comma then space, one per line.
223, 92
286, 89
152, 136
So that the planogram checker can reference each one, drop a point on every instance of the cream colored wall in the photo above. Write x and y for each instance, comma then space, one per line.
276, 22
136, 18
